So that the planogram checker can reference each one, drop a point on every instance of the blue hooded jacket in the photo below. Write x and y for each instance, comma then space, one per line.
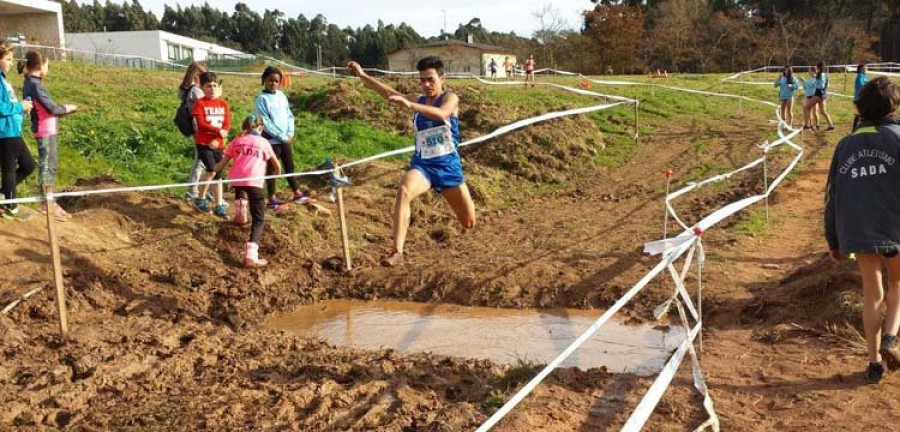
861, 80
786, 89
11, 110
278, 120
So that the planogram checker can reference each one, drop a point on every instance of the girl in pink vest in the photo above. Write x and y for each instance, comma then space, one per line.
44, 123
250, 152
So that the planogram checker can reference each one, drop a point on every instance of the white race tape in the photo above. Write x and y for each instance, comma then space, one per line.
671, 250
498, 132
524, 391
645, 408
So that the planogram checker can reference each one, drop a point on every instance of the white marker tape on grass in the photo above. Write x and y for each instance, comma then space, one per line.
648, 404
497, 132
672, 249
528, 388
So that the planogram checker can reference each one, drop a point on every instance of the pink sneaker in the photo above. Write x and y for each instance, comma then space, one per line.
251, 256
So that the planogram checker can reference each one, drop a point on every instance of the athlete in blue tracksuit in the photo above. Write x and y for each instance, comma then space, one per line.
861, 80
435, 163
821, 95
787, 83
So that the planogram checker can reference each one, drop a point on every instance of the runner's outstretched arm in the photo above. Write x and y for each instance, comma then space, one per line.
383, 89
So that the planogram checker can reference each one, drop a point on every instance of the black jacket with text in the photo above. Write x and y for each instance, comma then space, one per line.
862, 197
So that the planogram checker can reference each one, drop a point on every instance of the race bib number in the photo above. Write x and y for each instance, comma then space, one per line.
435, 142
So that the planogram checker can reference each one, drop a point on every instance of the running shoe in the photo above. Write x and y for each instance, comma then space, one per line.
890, 351
58, 212
874, 373
392, 259
201, 204
276, 205
15, 213
221, 211
255, 262
829, 128
301, 198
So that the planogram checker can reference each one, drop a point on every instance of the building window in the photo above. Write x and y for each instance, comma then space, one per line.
187, 53
174, 52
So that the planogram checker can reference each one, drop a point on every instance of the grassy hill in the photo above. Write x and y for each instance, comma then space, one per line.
124, 127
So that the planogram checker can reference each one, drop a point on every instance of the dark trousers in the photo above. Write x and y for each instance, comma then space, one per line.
257, 201
285, 154
16, 164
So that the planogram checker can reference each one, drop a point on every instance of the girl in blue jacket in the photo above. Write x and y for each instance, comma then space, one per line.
787, 83
16, 162
273, 108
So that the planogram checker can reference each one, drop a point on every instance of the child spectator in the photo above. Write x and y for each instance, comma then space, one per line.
16, 163
44, 123
189, 92
251, 154
212, 119
273, 108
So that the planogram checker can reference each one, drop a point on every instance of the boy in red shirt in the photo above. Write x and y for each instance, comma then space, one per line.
212, 119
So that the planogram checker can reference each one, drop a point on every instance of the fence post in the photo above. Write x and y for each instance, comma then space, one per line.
766, 179
668, 174
637, 104
57, 265
699, 233
345, 242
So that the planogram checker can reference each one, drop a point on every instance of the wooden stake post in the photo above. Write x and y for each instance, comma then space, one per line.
57, 265
344, 240
636, 121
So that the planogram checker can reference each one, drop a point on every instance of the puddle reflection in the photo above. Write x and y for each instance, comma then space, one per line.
501, 335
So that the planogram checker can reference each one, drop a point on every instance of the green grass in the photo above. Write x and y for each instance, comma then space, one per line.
124, 126
755, 223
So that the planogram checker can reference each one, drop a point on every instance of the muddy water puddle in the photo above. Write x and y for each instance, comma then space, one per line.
501, 335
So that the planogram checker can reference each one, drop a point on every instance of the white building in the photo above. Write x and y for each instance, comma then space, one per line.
39, 21
154, 44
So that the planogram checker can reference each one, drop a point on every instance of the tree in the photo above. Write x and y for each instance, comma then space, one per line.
550, 27
616, 31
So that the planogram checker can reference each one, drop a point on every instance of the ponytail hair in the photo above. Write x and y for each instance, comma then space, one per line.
251, 122
192, 75
32, 62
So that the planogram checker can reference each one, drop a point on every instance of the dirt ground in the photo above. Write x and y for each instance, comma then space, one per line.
166, 334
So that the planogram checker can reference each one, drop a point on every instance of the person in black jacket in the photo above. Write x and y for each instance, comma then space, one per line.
862, 216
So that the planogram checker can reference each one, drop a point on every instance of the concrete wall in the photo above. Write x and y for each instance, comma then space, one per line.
153, 44
39, 20
142, 43
456, 58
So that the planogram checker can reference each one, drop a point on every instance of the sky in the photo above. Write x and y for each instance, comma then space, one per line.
426, 17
